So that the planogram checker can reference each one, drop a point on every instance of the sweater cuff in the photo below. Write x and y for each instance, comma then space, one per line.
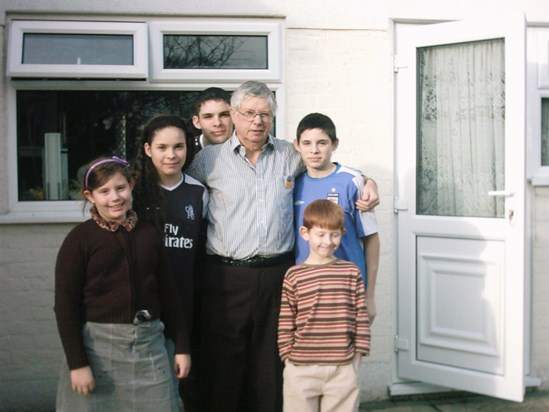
182, 345
76, 361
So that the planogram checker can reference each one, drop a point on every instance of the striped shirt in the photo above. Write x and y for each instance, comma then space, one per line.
251, 207
323, 317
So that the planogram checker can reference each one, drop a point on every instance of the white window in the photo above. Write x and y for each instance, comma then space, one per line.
538, 105
187, 51
84, 49
83, 111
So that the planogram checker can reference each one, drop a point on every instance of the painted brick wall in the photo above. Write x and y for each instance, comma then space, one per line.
30, 350
540, 286
347, 75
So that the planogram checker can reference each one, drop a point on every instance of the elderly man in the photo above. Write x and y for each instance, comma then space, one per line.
249, 247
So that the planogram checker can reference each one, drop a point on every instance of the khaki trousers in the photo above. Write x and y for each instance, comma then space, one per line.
321, 388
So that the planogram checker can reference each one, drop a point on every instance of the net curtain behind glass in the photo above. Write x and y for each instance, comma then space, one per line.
461, 120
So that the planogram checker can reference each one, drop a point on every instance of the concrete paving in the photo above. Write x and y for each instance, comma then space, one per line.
534, 401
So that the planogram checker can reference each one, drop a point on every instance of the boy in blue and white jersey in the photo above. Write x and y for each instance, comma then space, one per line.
316, 140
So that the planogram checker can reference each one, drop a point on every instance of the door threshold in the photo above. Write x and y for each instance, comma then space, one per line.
419, 388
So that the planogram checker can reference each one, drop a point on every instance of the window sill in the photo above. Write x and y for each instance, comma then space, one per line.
42, 217
539, 181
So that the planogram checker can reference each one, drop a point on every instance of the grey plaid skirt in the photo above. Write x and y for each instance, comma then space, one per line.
131, 370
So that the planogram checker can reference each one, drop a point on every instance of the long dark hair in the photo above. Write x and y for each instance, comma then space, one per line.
148, 196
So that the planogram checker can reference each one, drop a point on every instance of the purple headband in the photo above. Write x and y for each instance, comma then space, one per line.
114, 159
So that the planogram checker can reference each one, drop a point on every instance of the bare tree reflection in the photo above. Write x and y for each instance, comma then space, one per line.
198, 52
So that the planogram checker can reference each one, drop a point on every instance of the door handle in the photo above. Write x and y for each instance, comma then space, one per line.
504, 193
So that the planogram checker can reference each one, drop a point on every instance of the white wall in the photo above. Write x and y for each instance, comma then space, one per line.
338, 60
540, 286
328, 72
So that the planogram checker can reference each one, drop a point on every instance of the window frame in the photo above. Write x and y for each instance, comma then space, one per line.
537, 89
17, 211
538, 173
188, 26
18, 28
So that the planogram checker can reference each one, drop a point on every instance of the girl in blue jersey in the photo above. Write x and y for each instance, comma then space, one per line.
174, 202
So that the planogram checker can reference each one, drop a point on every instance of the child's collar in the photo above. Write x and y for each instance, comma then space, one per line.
128, 224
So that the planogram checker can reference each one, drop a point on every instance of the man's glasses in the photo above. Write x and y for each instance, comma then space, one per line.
250, 116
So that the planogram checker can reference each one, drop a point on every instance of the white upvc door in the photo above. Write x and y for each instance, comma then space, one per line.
460, 164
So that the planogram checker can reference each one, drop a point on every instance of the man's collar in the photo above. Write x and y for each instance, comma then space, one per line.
235, 142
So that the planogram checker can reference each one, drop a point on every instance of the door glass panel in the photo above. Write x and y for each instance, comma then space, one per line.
40, 48
461, 124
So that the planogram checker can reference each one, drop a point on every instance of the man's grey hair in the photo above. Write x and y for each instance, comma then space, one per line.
250, 89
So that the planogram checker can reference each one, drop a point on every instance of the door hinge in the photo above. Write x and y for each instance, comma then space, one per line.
398, 63
400, 343
400, 204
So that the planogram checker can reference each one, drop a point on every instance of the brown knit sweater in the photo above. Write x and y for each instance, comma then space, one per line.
106, 276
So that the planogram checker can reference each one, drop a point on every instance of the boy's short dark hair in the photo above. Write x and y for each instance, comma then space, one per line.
325, 214
211, 93
317, 121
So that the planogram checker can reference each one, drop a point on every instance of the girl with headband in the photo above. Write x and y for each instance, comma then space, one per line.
111, 289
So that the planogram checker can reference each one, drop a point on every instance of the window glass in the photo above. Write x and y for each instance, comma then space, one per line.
215, 52
47, 48
545, 132
461, 129
60, 131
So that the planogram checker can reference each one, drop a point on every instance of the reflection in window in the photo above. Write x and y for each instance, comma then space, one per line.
60, 131
545, 132
47, 48
215, 52
461, 129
